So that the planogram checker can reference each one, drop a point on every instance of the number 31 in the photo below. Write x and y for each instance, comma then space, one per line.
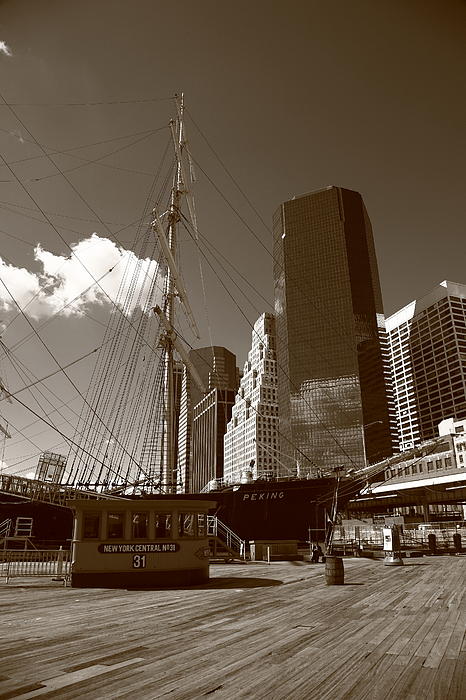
139, 561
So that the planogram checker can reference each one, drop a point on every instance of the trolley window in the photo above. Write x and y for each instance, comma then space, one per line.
91, 526
163, 524
187, 525
115, 525
201, 524
139, 525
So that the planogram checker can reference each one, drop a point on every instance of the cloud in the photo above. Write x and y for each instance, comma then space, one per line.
70, 280
5, 49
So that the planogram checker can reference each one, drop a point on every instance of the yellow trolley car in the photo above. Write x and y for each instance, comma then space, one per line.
139, 543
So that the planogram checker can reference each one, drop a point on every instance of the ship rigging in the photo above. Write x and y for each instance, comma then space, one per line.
129, 419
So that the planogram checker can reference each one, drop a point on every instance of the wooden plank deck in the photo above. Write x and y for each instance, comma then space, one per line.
255, 631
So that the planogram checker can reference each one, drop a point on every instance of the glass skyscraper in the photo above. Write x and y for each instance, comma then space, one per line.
334, 378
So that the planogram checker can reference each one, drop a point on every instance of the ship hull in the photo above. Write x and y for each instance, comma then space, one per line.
281, 510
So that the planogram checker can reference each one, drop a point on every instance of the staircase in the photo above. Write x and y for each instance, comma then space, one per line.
224, 543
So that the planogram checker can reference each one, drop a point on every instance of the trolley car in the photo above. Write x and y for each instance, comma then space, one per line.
139, 543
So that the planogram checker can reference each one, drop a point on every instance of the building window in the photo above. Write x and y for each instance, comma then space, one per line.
91, 526
139, 525
115, 525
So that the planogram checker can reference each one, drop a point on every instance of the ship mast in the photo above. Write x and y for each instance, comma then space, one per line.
174, 288
169, 465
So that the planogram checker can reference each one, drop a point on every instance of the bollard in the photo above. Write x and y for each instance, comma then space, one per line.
457, 543
59, 576
393, 559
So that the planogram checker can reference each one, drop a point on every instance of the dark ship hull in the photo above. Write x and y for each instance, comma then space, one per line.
295, 509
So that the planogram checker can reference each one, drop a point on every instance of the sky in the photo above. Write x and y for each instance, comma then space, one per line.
282, 98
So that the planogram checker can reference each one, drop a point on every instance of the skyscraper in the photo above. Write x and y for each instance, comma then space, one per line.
333, 371
210, 419
427, 340
251, 440
216, 367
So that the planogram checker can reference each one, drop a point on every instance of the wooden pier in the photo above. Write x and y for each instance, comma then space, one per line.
254, 631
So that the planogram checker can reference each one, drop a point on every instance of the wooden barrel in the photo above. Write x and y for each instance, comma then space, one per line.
334, 572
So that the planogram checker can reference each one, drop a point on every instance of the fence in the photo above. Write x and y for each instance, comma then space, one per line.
15, 563
371, 536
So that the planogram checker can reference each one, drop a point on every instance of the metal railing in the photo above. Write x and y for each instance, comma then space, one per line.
39, 562
371, 536
46, 492
216, 528
5, 527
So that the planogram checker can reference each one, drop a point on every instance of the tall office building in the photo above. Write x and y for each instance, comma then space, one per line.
428, 356
333, 371
251, 440
209, 425
216, 367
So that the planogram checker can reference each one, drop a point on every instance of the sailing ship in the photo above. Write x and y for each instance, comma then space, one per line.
125, 441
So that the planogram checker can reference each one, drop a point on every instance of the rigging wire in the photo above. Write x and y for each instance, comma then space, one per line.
56, 152
85, 104
64, 241
343, 450
340, 332
97, 161
52, 374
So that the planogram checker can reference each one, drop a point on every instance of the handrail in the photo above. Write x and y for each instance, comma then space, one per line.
5, 527
44, 491
217, 528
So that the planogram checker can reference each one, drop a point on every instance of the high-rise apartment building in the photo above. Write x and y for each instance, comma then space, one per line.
427, 340
333, 370
251, 439
216, 367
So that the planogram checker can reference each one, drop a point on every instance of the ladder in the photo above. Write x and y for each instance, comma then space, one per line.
23, 527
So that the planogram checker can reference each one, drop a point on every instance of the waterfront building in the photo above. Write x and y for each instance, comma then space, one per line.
251, 439
334, 383
427, 482
427, 342
216, 367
